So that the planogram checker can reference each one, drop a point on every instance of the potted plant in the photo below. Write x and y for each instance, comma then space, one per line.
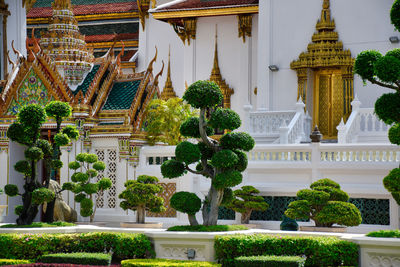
82, 186
141, 195
245, 201
326, 204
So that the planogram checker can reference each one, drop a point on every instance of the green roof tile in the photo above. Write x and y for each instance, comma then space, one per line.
121, 95
88, 80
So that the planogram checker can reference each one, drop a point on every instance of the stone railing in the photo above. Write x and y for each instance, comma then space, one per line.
362, 126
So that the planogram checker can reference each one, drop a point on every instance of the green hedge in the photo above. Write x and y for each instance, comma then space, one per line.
39, 225
165, 262
385, 233
33, 246
320, 251
13, 262
270, 261
207, 228
77, 258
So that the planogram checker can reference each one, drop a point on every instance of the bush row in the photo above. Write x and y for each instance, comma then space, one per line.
33, 246
270, 261
165, 262
77, 258
385, 233
320, 251
4, 262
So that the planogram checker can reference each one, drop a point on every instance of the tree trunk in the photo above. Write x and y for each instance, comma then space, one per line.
210, 206
192, 220
140, 215
49, 214
30, 210
246, 217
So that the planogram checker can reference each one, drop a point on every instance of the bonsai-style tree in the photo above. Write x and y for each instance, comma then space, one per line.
221, 161
326, 204
58, 111
163, 119
140, 196
384, 70
245, 201
81, 184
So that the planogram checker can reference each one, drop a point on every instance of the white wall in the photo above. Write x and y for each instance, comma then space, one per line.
16, 28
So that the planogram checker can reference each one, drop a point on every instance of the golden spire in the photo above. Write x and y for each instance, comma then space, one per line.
168, 90
62, 4
217, 77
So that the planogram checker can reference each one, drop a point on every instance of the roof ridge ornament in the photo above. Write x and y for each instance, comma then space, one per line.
168, 90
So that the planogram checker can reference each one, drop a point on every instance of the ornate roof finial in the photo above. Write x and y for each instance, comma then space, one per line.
168, 90
326, 4
216, 71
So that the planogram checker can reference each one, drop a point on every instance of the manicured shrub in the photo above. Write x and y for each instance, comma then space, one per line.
385, 233
319, 251
166, 262
270, 261
224, 159
392, 184
39, 225
225, 118
11, 262
202, 94
326, 204
288, 224
387, 108
186, 202
190, 128
172, 168
77, 258
237, 140
187, 152
207, 228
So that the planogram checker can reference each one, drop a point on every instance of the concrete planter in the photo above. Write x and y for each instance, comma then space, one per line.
156, 225
334, 229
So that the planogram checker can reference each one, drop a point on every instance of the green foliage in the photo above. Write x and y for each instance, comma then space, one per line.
387, 69
91, 173
91, 158
229, 178
79, 197
31, 116
395, 14
225, 119
364, 64
99, 166
237, 140
45, 146
71, 132
17, 133
58, 110
13, 262
205, 150
202, 94
387, 108
23, 166
61, 139
18, 210
68, 186
142, 194
77, 258
167, 263
34, 153
326, 204
74, 165
172, 169
90, 188
392, 184
228, 197
224, 159
31, 246
79, 177
187, 152
394, 134
271, 261
319, 251
164, 118
385, 233
208, 228
243, 161
190, 128
57, 164
11, 190
41, 195
288, 224
86, 207
81, 157
39, 225
104, 183
186, 202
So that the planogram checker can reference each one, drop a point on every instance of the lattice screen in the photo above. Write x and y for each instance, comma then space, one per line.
109, 156
169, 190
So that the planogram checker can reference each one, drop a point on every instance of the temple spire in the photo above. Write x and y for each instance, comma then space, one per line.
168, 90
215, 73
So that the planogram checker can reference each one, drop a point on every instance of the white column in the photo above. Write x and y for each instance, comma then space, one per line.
189, 62
315, 161
264, 52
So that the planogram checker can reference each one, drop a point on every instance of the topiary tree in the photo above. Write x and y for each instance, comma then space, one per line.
222, 161
140, 196
163, 119
26, 131
245, 202
326, 204
384, 70
82, 185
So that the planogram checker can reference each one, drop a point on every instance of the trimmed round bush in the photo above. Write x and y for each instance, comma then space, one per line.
68, 186
91, 158
299, 209
387, 108
147, 179
23, 166
205, 150
90, 188
325, 182
186, 202
387, 69
224, 159
395, 14
79, 177
228, 196
314, 197
16, 133
237, 140
225, 119
187, 152
74, 165
104, 183
394, 134
339, 212
99, 166
202, 94
172, 168
58, 109
57, 164
92, 173
34, 153
18, 210
61, 139
335, 194
71, 132
79, 197
41, 195
32, 116
364, 64
190, 128
11, 190
86, 207
242, 162
392, 184
81, 157
45, 146
228, 178
77, 189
